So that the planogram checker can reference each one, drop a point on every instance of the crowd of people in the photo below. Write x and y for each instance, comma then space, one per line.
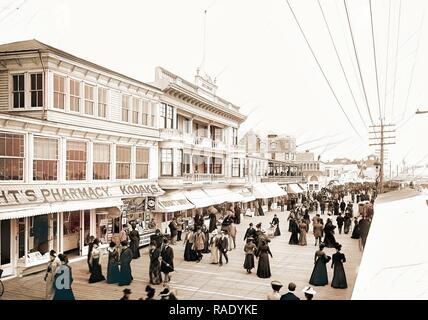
218, 237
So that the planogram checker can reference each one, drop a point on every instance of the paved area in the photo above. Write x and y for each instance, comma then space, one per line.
203, 281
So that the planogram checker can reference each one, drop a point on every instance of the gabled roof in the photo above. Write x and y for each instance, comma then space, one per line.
34, 45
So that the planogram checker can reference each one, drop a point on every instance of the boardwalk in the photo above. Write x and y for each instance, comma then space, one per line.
206, 281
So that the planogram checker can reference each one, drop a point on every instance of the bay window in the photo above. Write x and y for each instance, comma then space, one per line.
45, 162
18, 91
59, 92
179, 163
236, 167
36, 89
166, 162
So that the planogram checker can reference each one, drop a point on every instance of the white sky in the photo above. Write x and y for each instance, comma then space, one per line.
264, 64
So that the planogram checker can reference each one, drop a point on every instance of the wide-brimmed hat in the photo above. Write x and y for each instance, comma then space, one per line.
276, 284
164, 292
127, 291
309, 290
150, 288
52, 253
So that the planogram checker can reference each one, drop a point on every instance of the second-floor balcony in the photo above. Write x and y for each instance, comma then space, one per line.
203, 178
283, 179
192, 139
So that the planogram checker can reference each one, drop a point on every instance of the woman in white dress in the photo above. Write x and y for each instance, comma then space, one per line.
213, 247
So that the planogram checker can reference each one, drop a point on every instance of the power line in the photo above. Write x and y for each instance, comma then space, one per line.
396, 61
374, 57
413, 68
341, 64
387, 58
358, 61
321, 69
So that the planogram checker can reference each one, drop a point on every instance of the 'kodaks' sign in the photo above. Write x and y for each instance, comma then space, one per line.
10, 195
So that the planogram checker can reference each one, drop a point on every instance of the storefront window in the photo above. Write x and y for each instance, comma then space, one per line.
4, 242
123, 162
102, 226
11, 156
101, 170
76, 160
45, 163
43, 233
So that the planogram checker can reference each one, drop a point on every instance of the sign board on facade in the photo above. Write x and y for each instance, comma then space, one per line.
33, 194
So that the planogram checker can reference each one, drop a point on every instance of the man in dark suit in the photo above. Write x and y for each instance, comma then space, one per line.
167, 264
222, 246
290, 295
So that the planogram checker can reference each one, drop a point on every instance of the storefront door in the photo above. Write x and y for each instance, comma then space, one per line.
6, 247
72, 235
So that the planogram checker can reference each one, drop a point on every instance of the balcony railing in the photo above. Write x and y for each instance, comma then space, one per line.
284, 179
192, 139
203, 177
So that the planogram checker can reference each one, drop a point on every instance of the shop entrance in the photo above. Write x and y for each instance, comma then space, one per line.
76, 232
5, 247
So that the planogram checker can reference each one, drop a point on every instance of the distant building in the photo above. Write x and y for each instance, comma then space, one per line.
312, 169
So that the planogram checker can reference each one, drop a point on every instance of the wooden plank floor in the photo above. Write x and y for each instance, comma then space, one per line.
203, 280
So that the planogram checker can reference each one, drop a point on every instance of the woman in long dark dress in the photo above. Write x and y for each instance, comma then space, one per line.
347, 223
260, 208
206, 240
113, 272
64, 277
295, 230
125, 265
213, 220
155, 265
319, 274
249, 249
329, 239
339, 277
96, 275
263, 268
275, 223
134, 244
356, 232
189, 253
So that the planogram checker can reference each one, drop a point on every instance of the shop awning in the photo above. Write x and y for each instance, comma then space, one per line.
16, 212
173, 201
260, 191
245, 193
275, 189
199, 198
294, 188
221, 195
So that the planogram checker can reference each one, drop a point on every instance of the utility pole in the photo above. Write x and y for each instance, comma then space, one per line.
382, 141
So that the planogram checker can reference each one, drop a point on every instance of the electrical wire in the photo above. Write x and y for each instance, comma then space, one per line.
374, 57
387, 59
321, 69
341, 64
396, 61
358, 62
